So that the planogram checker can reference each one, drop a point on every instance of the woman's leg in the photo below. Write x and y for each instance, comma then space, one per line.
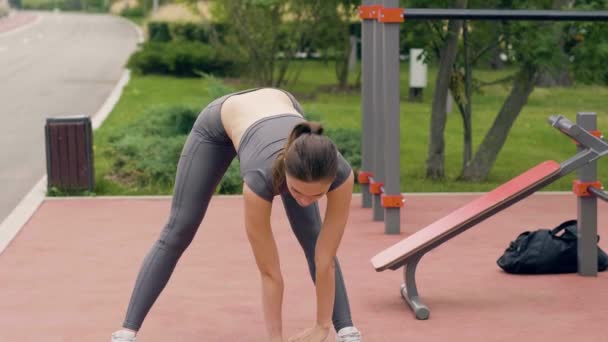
306, 225
201, 167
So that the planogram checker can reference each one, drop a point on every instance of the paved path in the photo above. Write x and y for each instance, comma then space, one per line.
51, 64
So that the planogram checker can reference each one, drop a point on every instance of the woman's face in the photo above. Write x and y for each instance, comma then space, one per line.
306, 193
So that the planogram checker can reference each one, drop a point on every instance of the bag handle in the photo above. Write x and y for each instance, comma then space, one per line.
570, 229
563, 226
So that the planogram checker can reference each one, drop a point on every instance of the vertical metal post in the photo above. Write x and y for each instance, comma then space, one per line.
378, 118
587, 209
391, 134
367, 89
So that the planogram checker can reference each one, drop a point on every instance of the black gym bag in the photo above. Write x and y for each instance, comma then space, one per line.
546, 251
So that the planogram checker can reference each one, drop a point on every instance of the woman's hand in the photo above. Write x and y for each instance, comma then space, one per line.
314, 334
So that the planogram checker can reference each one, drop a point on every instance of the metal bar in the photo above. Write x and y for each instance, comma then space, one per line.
392, 132
492, 14
577, 161
580, 134
409, 291
587, 207
378, 105
371, 179
367, 65
591, 147
599, 193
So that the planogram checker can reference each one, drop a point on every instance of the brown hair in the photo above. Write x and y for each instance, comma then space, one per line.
308, 156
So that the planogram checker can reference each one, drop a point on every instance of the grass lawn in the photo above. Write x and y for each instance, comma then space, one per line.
531, 140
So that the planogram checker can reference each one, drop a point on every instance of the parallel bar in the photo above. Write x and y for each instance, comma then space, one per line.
367, 65
592, 148
381, 187
587, 207
378, 118
599, 193
392, 134
491, 14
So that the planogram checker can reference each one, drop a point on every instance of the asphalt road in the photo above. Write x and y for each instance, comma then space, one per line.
62, 64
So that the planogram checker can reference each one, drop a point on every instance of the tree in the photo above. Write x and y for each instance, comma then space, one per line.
562, 76
332, 31
269, 33
534, 51
587, 46
258, 32
435, 157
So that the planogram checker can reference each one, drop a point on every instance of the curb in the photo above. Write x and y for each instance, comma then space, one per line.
10, 227
13, 223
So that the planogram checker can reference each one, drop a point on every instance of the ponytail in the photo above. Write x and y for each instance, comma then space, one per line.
312, 155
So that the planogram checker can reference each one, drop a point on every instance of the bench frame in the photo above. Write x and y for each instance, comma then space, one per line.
520, 187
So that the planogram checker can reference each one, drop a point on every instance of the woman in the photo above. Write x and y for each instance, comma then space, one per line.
282, 154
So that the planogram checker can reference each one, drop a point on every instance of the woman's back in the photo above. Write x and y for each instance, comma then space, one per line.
240, 111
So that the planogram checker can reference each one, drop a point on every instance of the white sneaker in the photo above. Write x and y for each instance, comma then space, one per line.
123, 336
348, 334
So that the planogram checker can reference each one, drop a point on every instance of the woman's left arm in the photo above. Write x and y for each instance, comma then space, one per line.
336, 215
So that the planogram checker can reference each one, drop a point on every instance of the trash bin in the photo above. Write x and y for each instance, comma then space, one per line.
69, 153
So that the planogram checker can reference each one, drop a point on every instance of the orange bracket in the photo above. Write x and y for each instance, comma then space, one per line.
369, 11
375, 187
597, 134
363, 177
390, 15
392, 201
580, 189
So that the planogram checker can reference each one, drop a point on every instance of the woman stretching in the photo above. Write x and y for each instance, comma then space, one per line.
280, 153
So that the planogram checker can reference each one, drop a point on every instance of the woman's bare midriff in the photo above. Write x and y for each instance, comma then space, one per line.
241, 111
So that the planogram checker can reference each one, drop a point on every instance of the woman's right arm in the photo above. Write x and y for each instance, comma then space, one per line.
259, 233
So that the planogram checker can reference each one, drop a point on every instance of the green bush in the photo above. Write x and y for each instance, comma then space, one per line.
348, 141
181, 58
158, 31
161, 31
216, 88
232, 182
146, 153
133, 12
189, 32
94, 6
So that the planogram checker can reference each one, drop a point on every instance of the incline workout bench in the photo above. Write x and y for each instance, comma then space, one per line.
408, 252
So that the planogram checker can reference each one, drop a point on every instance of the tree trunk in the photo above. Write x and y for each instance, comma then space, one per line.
342, 71
496, 62
494, 140
343, 61
468, 92
558, 78
435, 155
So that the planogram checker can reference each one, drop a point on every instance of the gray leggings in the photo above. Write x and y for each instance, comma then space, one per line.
204, 160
